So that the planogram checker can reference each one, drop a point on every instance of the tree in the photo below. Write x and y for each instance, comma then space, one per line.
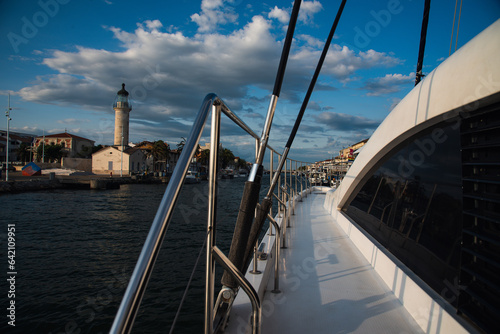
52, 152
180, 146
205, 157
160, 152
242, 164
86, 152
96, 148
23, 152
227, 157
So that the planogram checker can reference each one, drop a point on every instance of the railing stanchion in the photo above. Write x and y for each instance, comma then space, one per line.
283, 226
255, 269
245, 285
271, 159
277, 247
211, 219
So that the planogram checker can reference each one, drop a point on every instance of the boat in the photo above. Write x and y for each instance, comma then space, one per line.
227, 173
407, 242
192, 176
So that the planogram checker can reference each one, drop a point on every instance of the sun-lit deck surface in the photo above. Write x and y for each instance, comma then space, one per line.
326, 284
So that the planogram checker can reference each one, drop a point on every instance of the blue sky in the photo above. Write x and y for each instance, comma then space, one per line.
64, 60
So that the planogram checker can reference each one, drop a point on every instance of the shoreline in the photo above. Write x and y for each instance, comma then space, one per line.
18, 183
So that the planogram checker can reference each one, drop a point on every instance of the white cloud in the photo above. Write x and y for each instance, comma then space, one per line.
341, 62
153, 25
71, 121
311, 41
344, 122
281, 15
388, 84
308, 9
214, 13
65, 89
161, 69
167, 72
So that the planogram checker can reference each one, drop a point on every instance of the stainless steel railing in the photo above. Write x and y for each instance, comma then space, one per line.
142, 272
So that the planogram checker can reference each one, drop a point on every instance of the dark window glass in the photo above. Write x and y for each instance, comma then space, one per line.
413, 206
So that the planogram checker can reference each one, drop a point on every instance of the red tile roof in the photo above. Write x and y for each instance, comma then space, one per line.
64, 135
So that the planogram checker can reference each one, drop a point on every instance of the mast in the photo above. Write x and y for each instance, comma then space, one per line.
423, 37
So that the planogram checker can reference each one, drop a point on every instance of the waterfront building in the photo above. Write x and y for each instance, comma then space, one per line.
348, 154
73, 146
111, 160
16, 140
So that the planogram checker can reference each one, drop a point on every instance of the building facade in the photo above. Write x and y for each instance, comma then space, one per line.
73, 146
111, 160
16, 141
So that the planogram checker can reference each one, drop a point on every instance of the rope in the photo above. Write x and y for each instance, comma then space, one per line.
458, 25
453, 26
191, 278
188, 285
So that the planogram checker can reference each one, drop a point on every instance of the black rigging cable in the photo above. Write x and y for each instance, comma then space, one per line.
251, 191
423, 37
263, 209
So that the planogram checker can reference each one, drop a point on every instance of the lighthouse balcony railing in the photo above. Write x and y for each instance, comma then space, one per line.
130, 304
122, 104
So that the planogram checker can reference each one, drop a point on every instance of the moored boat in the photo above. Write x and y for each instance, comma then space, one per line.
192, 177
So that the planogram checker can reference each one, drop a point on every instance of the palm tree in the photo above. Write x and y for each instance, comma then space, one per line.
159, 152
204, 157
180, 146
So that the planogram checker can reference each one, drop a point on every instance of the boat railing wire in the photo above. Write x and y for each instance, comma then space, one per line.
134, 293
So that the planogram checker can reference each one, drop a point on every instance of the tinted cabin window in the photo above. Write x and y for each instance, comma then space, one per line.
412, 205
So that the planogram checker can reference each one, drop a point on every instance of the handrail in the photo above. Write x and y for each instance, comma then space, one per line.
134, 293
245, 285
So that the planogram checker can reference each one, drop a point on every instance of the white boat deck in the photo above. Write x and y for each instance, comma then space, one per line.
326, 285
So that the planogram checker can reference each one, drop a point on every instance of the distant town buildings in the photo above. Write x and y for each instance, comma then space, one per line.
337, 166
17, 141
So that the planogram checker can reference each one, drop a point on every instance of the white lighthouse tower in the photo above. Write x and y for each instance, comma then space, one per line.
122, 109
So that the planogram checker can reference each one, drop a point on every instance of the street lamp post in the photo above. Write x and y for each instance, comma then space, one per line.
121, 158
7, 114
43, 147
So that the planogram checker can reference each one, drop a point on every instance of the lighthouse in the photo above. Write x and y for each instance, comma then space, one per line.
122, 108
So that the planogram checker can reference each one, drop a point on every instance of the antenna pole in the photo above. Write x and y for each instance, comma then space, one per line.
7, 114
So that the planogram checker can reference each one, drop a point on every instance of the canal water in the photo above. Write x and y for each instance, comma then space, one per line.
76, 249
